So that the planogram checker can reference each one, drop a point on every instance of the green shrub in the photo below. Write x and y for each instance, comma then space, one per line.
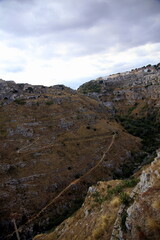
89, 87
120, 187
49, 102
115, 190
3, 132
130, 182
132, 108
147, 128
20, 101
125, 198
123, 220
98, 198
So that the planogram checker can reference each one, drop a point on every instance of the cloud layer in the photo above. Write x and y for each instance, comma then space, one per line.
68, 41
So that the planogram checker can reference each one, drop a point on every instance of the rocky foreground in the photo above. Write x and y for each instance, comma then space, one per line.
117, 210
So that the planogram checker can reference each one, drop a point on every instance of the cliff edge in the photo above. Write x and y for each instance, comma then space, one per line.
117, 209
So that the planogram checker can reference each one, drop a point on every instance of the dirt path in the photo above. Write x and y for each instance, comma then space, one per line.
67, 188
25, 149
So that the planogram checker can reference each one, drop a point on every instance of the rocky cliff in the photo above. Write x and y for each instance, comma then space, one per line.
117, 210
133, 98
129, 88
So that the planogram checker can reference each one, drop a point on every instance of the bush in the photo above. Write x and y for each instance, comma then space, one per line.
49, 102
123, 220
98, 198
130, 182
20, 101
125, 198
116, 190
89, 87
3, 132
120, 187
146, 128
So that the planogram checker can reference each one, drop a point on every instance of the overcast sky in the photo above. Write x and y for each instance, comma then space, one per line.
73, 41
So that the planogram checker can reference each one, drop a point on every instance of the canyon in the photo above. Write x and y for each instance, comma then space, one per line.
57, 143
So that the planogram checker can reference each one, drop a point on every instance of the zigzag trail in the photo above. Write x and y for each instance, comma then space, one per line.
26, 147
65, 189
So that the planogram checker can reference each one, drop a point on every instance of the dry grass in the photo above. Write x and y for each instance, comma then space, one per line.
39, 237
98, 232
104, 227
76, 148
115, 202
156, 204
100, 229
151, 224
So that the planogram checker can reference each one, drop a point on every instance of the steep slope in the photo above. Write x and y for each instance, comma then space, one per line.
50, 137
117, 210
121, 91
133, 98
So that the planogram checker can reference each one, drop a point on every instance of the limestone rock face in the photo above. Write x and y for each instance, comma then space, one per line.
143, 221
121, 91
102, 216
142, 217
10, 91
133, 98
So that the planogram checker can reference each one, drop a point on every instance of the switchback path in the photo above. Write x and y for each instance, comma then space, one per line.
25, 148
65, 189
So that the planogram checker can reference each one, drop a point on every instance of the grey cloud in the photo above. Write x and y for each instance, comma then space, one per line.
88, 26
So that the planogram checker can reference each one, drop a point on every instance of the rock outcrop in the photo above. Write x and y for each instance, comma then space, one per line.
10, 91
116, 210
142, 216
133, 98
119, 92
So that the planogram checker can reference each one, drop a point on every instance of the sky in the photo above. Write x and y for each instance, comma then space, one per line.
73, 41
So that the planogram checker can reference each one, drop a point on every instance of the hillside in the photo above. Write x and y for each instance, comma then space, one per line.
56, 142
50, 137
133, 99
117, 209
